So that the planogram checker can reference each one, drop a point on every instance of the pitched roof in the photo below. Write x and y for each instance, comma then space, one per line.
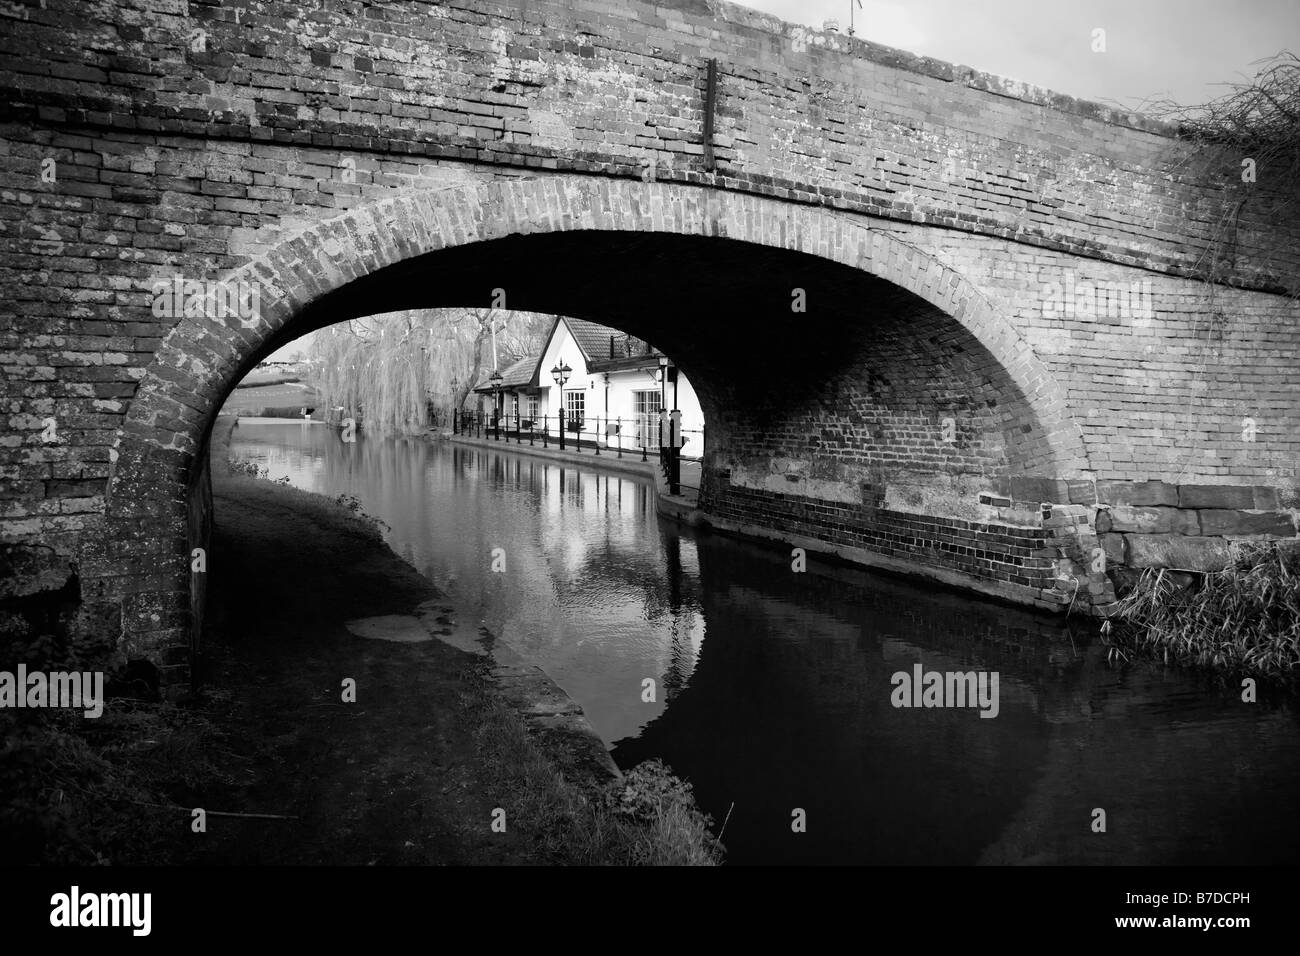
519, 374
594, 340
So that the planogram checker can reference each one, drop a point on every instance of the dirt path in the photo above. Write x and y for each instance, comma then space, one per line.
393, 778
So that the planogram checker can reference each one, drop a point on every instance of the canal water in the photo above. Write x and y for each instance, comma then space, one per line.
773, 688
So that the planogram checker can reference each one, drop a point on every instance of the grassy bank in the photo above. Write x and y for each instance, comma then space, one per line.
104, 791
256, 380
649, 818
263, 399
411, 772
1244, 619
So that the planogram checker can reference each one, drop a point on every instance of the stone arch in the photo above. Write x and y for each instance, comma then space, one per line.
200, 359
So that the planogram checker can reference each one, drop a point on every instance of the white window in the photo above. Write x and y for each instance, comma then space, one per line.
532, 408
646, 405
575, 406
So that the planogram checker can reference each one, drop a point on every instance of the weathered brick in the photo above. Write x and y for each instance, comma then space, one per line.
1037, 489
1081, 492
1113, 546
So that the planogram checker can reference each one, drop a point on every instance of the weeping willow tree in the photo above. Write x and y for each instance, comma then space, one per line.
389, 371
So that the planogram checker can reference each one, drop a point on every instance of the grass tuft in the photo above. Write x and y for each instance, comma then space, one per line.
1245, 618
649, 818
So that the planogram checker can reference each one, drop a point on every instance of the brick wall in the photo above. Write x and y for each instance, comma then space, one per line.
1017, 561
1202, 388
594, 86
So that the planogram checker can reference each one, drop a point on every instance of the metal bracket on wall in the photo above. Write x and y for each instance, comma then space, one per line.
710, 97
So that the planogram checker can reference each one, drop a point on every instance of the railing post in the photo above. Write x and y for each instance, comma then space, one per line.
618, 434
598, 433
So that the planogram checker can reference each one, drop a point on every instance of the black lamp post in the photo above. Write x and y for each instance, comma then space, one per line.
495, 379
663, 396
669, 449
561, 374
455, 407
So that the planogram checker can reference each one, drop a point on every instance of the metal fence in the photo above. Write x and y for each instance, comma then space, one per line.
621, 436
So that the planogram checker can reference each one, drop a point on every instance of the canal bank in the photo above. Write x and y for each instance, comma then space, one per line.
609, 459
350, 715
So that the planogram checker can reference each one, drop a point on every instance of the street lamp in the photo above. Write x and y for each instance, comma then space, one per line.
561, 374
669, 448
455, 409
495, 379
663, 396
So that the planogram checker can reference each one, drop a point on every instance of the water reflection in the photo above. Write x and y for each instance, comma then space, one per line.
787, 703
584, 594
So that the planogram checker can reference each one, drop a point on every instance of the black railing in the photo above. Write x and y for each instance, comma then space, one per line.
599, 435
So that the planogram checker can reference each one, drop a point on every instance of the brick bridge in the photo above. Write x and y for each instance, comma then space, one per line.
920, 304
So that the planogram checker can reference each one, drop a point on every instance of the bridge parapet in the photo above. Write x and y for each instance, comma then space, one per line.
619, 89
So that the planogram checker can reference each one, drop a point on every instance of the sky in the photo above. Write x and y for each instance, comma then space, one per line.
1154, 48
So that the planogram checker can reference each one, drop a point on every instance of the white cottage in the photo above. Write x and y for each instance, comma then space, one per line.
615, 386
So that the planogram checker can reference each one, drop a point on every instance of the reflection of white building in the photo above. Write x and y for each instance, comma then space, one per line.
615, 389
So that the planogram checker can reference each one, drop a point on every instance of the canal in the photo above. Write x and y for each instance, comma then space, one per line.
773, 688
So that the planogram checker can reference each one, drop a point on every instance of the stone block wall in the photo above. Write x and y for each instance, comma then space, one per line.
1108, 532
1082, 554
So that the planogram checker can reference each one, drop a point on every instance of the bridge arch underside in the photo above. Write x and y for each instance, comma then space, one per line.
845, 413
795, 358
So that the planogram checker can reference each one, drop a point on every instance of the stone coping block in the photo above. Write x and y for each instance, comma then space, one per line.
1185, 552
1224, 522
1216, 496
1144, 520
1137, 493
1159, 494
